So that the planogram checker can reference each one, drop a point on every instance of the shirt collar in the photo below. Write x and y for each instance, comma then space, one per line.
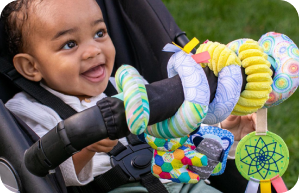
73, 101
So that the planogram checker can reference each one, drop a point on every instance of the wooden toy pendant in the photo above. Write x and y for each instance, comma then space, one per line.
262, 157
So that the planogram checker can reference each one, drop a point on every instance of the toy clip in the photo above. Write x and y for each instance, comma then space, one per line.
176, 48
189, 46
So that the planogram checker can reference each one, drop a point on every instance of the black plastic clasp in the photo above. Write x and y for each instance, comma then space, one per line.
181, 39
134, 161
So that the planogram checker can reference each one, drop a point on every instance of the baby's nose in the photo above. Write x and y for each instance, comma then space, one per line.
91, 51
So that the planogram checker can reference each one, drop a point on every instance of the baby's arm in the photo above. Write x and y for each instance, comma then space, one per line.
81, 158
42, 119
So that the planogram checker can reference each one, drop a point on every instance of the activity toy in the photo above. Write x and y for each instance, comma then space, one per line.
270, 68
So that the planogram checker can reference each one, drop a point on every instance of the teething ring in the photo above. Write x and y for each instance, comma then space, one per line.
284, 57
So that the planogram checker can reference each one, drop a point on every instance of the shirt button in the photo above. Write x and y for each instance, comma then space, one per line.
87, 100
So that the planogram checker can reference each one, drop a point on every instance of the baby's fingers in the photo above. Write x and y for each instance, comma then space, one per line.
107, 142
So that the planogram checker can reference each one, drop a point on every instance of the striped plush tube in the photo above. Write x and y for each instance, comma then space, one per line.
129, 81
189, 115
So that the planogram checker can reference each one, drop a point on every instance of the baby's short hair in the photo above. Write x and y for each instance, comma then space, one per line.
14, 17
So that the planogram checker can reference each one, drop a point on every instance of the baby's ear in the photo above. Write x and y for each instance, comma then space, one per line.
26, 66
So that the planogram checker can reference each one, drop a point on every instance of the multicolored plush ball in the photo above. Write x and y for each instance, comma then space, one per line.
283, 54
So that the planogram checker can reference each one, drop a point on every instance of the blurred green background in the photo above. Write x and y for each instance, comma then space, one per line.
227, 20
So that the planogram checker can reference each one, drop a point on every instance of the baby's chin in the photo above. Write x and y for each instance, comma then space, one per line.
93, 93
88, 91
83, 97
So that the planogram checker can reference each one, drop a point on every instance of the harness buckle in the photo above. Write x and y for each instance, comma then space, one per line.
134, 161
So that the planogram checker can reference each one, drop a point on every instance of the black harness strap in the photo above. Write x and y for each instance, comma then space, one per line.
117, 149
103, 183
133, 140
115, 178
153, 184
110, 180
110, 90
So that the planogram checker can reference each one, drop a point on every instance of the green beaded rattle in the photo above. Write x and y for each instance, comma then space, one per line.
262, 157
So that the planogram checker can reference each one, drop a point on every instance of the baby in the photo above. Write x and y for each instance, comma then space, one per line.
65, 46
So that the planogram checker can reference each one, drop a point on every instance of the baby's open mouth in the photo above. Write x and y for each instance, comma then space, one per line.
95, 74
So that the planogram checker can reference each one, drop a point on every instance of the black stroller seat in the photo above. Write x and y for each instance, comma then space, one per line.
139, 30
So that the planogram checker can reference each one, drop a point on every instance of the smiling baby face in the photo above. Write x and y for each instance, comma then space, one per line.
67, 47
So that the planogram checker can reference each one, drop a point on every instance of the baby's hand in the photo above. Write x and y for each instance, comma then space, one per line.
240, 125
105, 145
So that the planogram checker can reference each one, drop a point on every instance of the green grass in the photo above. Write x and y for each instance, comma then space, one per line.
227, 20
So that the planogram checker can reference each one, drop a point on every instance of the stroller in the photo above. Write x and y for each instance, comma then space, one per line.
139, 30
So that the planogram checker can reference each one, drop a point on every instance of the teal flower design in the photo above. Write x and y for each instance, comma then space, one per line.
262, 158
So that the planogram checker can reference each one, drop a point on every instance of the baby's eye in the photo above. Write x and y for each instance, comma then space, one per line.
69, 45
100, 34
